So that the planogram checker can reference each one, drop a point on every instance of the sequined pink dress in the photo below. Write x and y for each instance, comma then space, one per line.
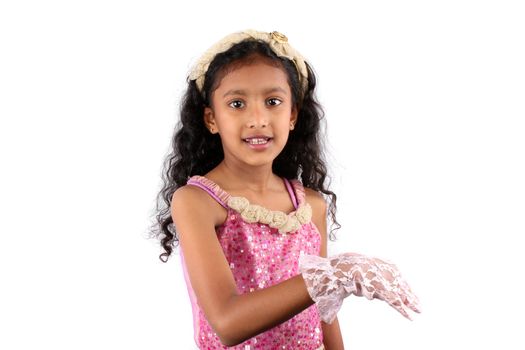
263, 248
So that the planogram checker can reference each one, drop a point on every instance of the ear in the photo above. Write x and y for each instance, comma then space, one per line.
209, 120
293, 115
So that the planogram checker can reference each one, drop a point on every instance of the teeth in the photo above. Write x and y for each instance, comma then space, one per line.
257, 141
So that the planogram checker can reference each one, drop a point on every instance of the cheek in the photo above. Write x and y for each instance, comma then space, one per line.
284, 118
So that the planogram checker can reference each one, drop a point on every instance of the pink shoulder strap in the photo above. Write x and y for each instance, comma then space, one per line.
291, 192
211, 187
299, 191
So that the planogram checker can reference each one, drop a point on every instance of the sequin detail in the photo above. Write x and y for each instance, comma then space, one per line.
259, 256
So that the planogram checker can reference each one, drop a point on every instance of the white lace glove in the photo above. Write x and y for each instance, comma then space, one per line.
330, 280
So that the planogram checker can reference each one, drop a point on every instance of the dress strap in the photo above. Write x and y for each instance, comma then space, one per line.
300, 195
211, 187
291, 192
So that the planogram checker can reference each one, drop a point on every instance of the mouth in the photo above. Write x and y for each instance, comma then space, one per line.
257, 140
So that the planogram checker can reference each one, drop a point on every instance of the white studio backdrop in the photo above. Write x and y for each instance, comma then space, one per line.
425, 117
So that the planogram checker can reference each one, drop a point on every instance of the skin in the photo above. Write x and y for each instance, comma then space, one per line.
252, 99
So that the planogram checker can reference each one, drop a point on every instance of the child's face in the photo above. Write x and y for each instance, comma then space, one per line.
252, 100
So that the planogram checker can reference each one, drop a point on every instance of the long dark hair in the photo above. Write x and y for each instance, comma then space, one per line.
195, 151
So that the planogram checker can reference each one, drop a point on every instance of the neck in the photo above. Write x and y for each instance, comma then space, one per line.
255, 179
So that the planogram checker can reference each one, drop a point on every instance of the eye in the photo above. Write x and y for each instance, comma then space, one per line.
236, 104
274, 101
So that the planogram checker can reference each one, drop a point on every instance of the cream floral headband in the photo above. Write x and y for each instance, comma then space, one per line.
277, 41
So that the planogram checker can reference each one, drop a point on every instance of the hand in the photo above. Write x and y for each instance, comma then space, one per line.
330, 280
376, 278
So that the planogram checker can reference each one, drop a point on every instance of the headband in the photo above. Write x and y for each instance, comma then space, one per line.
278, 43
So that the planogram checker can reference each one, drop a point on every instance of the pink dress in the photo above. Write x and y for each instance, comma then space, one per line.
262, 248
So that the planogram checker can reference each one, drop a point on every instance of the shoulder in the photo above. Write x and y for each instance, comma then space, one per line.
316, 201
187, 195
319, 206
190, 201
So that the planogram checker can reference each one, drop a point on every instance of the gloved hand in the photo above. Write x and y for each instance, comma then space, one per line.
330, 280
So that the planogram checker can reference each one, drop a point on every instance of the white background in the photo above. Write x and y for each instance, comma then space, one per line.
425, 117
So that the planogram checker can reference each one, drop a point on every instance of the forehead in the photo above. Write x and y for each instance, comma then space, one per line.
254, 76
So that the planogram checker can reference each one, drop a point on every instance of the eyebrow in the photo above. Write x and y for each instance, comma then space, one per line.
243, 93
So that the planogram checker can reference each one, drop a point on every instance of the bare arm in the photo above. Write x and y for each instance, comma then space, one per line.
332, 338
230, 314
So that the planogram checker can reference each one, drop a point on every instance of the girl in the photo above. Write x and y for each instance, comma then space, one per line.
252, 236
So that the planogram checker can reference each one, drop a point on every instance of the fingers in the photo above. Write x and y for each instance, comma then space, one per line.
411, 301
408, 297
396, 302
404, 313
401, 288
400, 301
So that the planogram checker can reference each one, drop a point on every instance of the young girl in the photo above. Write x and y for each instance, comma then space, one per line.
252, 235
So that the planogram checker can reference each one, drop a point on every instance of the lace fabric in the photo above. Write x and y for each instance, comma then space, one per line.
330, 280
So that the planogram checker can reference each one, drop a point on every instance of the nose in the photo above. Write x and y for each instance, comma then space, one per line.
257, 118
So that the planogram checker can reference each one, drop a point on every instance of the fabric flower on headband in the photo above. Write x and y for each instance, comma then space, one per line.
278, 43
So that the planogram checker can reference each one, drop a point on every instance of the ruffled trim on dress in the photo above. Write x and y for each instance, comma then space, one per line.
285, 223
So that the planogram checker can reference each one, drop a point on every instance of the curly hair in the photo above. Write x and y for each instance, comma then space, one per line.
195, 151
